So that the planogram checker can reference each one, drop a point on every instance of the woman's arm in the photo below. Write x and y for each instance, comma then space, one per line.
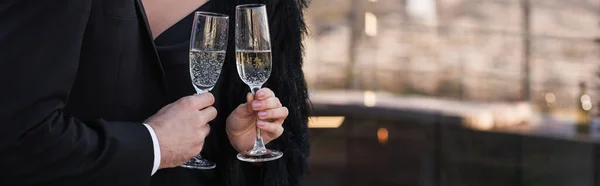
163, 14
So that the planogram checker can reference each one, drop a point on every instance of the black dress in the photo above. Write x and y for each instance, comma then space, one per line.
173, 47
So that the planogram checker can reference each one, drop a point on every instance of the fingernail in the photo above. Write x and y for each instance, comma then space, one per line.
256, 104
260, 94
262, 113
260, 123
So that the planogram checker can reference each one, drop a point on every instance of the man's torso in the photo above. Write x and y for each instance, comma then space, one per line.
119, 75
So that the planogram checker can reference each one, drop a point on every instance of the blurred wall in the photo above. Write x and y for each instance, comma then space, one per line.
457, 49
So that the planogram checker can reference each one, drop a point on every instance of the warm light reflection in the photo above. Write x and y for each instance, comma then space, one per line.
481, 121
550, 97
382, 135
586, 102
325, 122
370, 99
370, 24
524, 113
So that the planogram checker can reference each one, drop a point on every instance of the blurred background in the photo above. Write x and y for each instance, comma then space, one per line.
454, 92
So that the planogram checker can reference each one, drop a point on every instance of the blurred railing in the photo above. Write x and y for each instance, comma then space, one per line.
373, 143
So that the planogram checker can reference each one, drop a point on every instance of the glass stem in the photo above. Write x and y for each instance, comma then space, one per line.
259, 145
198, 92
201, 91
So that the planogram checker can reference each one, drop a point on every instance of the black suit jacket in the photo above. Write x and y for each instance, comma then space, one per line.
77, 78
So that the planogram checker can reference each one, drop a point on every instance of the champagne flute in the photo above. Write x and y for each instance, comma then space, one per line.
208, 44
253, 60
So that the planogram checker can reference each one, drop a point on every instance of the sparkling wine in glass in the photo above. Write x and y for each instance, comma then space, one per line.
253, 60
208, 44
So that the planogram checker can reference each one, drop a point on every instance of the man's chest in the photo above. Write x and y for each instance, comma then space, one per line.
119, 75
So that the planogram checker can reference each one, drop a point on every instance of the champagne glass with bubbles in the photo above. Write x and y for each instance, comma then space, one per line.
208, 44
253, 60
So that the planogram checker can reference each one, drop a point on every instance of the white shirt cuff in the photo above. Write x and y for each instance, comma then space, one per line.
156, 149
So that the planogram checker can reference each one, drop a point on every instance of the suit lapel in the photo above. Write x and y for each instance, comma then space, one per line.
144, 20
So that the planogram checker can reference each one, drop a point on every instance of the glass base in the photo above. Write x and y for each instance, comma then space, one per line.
252, 156
198, 163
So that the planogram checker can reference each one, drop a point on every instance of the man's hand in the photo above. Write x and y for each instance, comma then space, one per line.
181, 128
265, 111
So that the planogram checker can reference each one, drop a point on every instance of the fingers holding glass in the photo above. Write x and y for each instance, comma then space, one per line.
272, 129
270, 103
264, 93
274, 114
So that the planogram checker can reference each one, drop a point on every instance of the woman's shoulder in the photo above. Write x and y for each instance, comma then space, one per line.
179, 33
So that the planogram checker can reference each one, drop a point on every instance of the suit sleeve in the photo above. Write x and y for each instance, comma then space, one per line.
40, 144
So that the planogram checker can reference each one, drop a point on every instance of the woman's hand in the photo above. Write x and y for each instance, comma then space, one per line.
264, 112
